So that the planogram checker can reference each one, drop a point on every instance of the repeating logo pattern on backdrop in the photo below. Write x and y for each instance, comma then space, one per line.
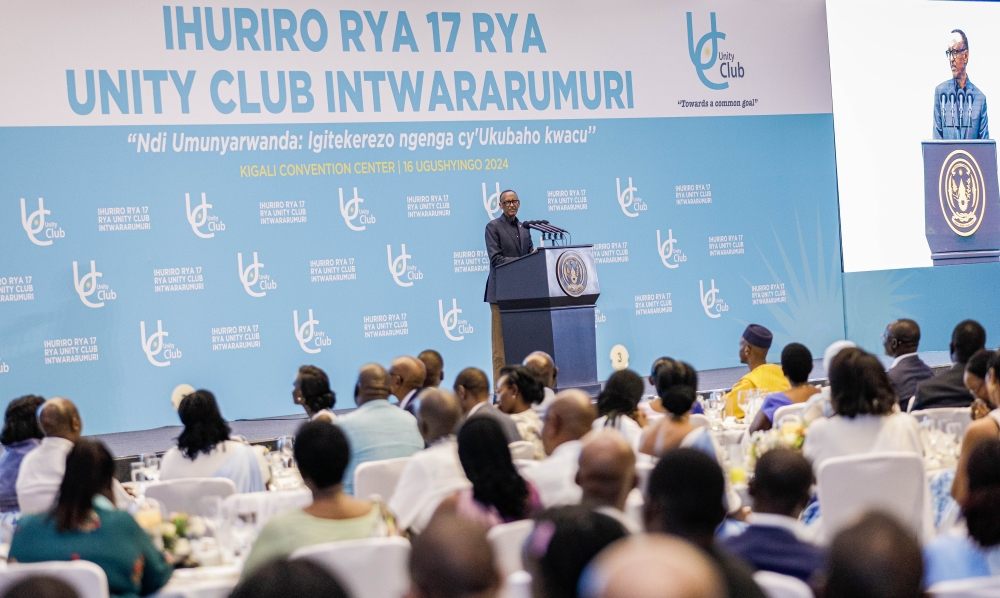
630, 204
154, 345
200, 220
492, 202
450, 321
307, 334
353, 213
88, 285
402, 272
710, 300
729, 68
961, 193
34, 224
251, 277
670, 255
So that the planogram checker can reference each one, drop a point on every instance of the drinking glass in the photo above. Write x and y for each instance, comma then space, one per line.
151, 466
744, 398
138, 471
286, 448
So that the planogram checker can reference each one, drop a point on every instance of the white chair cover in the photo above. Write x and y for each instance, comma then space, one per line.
776, 585
793, 409
508, 540
946, 415
368, 568
700, 421
522, 449
268, 504
890, 481
183, 495
518, 585
977, 587
642, 471
378, 477
88, 579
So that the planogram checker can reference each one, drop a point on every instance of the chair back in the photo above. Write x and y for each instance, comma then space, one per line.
976, 587
508, 540
183, 495
776, 585
699, 420
946, 415
522, 449
268, 504
893, 482
368, 568
793, 409
518, 585
88, 579
642, 470
378, 477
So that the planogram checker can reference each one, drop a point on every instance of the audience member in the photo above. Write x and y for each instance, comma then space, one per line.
517, 390
376, 429
901, 339
406, 378
796, 363
563, 542
652, 566
568, 420
983, 429
774, 541
473, 391
21, 433
653, 409
685, 498
84, 524
322, 453
877, 557
618, 406
435, 473
607, 476
499, 494
42, 469
947, 389
863, 401
977, 553
281, 579
975, 380
41, 586
453, 559
204, 449
675, 383
312, 391
434, 366
754, 344
540, 363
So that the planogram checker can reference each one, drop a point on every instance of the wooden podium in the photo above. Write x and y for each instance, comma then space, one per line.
546, 302
961, 201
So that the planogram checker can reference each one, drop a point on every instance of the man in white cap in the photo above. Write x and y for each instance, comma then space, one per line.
754, 344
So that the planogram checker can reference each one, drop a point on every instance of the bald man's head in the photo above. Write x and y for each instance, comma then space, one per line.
453, 559
901, 337
540, 363
59, 418
373, 383
439, 414
607, 470
405, 374
652, 566
569, 418
434, 366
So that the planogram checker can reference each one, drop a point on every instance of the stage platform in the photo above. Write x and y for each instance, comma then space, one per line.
127, 445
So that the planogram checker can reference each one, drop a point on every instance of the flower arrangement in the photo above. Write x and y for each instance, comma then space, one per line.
791, 435
178, 534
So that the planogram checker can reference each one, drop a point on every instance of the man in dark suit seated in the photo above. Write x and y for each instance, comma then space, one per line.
900, 340
473, 391
506, 240
780, 490
947, 389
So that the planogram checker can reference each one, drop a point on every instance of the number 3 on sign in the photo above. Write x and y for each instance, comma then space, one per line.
619, 357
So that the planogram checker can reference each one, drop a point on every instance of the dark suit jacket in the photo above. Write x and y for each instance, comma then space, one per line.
502, 247
769, 548
944, 390
506, 423
905, 377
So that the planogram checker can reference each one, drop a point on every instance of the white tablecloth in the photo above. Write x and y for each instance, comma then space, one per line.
202, 582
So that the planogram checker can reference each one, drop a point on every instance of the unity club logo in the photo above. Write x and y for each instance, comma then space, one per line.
402, 272
252, 277
200, 220
450, 321
88, 286
356, 217
710, 300
310, 339
670, 255
492, 202
34, 224
630, 204
704, 57
154, 345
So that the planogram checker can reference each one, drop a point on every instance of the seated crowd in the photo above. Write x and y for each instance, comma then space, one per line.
629, 497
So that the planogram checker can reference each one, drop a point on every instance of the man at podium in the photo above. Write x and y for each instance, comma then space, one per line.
959, 106
506, 240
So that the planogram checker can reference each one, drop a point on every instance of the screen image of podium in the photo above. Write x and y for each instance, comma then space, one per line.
546, 302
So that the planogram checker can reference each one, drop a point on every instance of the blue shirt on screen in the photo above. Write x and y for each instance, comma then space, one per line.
960, 113
378, 430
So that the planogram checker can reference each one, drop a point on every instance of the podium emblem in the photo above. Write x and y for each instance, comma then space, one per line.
962, 192
571, 272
